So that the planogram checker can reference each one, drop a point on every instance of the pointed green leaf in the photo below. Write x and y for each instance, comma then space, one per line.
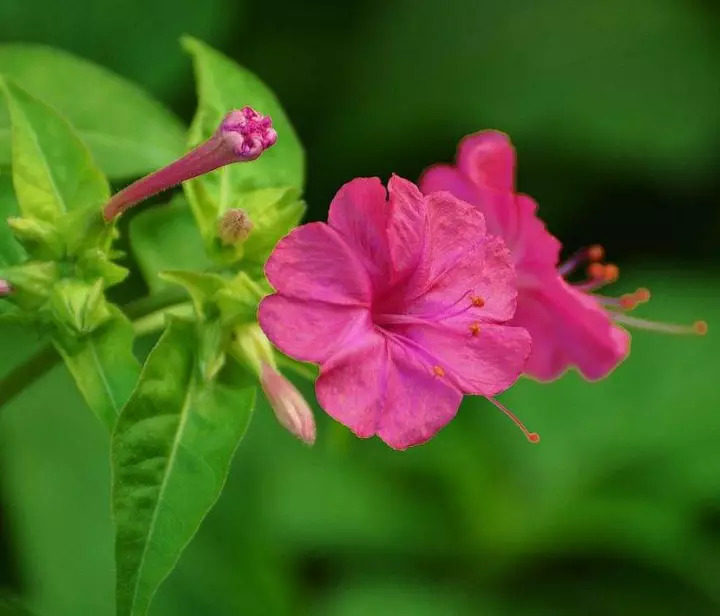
127, 131
171, 451
53, 171
222, 86
103, 365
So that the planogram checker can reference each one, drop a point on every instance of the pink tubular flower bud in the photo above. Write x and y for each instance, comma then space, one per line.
289, 406
242, 136
5, 288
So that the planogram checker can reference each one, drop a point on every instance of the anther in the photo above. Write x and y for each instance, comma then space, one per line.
475, 329
596, 252
438, 371
478, 302
642, 295
596, 271
611, 273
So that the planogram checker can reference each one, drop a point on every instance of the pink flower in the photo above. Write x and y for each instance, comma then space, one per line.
569, 325
403, 301
243, 135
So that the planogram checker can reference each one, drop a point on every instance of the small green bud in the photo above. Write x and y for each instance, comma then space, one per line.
234, 227
79, 307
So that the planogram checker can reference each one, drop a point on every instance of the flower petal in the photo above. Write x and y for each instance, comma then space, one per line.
407, 224
484, 274
352, 382
309, 330
481, 359
535, 248
418, 402
359, 212
498, 206
487, 158
569, 328
445, 177
380, 386
314, 262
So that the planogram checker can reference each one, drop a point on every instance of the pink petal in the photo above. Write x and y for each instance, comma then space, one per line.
569, 328
379, 386
406, 226
453, 227
537, 250
351, 384
418, 402
445, 177
359, 212
483, 361
487, 158
314, 262
498, 206
309, 330
485, 272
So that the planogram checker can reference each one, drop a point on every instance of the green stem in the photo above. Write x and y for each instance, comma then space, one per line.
27, 372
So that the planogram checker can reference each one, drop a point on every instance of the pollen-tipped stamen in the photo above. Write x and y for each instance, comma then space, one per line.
627, 302
699, 328
533, 437
599, 275
584, 255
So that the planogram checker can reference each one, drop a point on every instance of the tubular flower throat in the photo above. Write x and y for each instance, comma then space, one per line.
569, 323
403, 301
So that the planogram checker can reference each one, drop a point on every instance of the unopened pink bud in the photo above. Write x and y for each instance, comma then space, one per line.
250, 132
287, 402
234, 226
5, 288
242, 136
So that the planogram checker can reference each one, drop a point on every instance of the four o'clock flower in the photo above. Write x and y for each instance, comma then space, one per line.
404, 301
569, 325
242, 136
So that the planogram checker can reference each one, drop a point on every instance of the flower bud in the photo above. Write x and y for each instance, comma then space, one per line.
5, 288
289, 406
242, 136
234, 227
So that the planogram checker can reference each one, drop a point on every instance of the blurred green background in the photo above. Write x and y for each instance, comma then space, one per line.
614, 107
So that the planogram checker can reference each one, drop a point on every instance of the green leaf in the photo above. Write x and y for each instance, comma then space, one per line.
127, 131
273, 213
103, 365
53, 171
11, 252
171, 451
222, 86
166, 238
